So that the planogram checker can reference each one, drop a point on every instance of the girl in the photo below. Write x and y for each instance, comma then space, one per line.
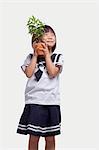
42, 115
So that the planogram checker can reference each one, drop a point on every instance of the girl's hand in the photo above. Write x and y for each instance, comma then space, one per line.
41, 49
34, 47
45, 49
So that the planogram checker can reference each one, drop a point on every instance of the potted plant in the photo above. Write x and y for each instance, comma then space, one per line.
36, 29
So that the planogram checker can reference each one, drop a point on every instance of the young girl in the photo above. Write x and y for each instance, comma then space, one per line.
42, 115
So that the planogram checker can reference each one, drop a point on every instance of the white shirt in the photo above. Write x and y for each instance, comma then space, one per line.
46, 90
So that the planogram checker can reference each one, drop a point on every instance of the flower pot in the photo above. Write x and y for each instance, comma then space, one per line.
39, 48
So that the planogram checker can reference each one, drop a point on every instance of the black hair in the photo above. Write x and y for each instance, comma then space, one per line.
47, 28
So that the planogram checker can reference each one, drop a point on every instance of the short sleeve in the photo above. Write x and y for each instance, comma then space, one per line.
59, 61
26, 62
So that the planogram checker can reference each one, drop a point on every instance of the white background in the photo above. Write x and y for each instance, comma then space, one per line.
75, 25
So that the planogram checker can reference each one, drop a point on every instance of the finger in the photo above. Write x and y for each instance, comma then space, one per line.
34, 45
44, 45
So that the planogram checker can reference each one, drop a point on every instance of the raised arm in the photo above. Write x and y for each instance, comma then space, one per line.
31, 67
51, 68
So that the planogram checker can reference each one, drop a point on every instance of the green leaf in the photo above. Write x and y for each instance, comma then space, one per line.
35, 26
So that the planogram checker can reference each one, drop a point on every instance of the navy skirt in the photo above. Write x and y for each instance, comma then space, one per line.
40, 120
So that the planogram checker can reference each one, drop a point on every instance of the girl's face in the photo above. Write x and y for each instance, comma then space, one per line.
49, 38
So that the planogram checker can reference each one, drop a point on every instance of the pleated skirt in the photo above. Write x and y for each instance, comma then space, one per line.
40, 120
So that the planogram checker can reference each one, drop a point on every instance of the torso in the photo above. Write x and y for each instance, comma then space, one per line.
45, 92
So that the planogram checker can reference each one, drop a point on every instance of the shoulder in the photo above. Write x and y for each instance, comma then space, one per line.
29, 56
57, 56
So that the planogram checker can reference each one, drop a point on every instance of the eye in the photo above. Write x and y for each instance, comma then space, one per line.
42, 41
46, 33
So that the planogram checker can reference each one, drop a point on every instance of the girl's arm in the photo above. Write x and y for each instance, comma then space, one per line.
51, 68
30, 69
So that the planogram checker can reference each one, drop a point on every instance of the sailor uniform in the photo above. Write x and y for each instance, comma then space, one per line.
41, 115
39, 72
